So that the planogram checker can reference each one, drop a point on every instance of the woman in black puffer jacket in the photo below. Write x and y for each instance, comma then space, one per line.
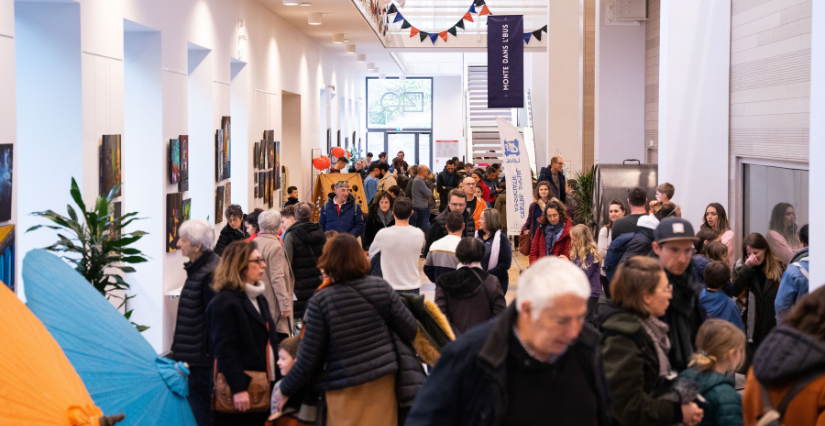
380, 217
355, 365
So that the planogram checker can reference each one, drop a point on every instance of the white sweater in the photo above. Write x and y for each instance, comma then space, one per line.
400, 248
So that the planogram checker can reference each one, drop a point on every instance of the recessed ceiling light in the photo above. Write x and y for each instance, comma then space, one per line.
305, 4
362, 58
290, 2
370, 66
346, 40
315, 19
375, 70
351, 48
338, 38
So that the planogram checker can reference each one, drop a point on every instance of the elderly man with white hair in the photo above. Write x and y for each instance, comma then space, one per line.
537, 363
279, 283
191, 341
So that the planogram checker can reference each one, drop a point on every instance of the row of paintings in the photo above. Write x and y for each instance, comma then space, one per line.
223, 154
223, 197
6, 165
264, 184
178, 211
179, 162
264, 152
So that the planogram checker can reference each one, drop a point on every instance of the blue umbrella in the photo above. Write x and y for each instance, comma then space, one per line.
121, 371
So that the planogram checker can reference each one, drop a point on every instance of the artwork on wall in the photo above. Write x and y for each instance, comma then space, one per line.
256, 191
329, 141
227, 144
110, 164
7, 255
346, 143
186, 209
353, 141
271, 154
174, 217
184, 163
218, 155
219, 198
277, 167
284, 181
262, 154
228, 193
174, 160
114, 214
269, 185
339, 138
255, 155
6, 165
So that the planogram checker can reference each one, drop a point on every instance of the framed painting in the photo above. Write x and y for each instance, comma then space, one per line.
114, 214
110, 171
329, 141
227, 152
7, 254
186, 209
184, 163
174, 217
228, 193
255, 155
6, 165
174, 160
277, 167
219, 198
219, 155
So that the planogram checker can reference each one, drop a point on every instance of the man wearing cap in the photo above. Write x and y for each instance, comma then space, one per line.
673, 246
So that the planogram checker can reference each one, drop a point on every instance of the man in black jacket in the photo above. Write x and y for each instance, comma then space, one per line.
537, 363
191, 342
447, 181
304, 243
457, 201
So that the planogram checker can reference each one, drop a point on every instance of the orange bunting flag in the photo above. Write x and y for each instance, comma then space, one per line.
484, 11
443, 35
468, 17
413, 31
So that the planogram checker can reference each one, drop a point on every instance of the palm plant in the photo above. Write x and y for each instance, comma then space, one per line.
583, 196
96, 245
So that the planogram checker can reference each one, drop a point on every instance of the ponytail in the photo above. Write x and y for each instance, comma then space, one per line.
715, 339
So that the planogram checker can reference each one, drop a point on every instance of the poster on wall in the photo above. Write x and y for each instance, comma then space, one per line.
110, 164
184, 163
277, 166
505, 61
7, 255
218, 155
6, 165
227, 151
518, 173
174, 160
186, 209
219, 198
443, 151
173, 220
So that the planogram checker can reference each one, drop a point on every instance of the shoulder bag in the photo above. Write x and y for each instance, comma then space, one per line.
223, 400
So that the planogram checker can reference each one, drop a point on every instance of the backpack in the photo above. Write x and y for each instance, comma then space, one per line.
801, 268
615, 252
775, 416
544, 174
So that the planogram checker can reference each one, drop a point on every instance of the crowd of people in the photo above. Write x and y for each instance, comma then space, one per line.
290, 321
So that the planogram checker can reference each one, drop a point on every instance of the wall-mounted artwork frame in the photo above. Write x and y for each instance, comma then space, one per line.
174, 161
7, 254
277, 168
6, 172
227, 144
219, 199
174, 217
218, 155
186, 209
110, 165
184, 163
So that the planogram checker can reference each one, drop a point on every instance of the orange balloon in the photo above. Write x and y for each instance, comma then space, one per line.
321, 162
338, 151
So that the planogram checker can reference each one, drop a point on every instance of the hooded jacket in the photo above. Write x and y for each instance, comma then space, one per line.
560, 248
764, 291
642, 242
438, 229
722, 405
468, 297
632, 367
718, 305
349, 221
794, 284
784, 357
305, 240
191, 342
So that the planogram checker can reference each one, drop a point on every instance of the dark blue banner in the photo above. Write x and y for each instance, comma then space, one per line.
505, 61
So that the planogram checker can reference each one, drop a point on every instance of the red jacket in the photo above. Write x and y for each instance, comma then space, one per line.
485, 193
538, 246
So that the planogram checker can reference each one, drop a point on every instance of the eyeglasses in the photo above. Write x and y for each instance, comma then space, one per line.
259, 261
668, 289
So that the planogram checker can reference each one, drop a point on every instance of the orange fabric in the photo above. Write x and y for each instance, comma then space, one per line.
40, 386
807, 408
480, 206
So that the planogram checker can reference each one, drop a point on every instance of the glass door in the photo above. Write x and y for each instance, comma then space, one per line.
424, 145
397, 142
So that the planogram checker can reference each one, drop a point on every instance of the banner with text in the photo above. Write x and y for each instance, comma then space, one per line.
517, 174
505, 61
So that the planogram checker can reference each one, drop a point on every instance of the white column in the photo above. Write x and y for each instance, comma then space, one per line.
694, 93
816, 231
564, 83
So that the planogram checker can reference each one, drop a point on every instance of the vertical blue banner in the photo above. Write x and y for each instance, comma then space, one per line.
505, 61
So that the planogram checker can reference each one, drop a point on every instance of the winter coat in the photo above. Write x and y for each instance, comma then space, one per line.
485, 193
191, 342
505, 259
468, 297
349, 221
719, 305
240, 335
438, 228
560, 193
373, 225
784, 357
279, 283
794, 284
593, 275
764, 291
501, 206
640, 245
533, 215
699, 264
334, 354
684, 315
291, 201
632, 367
468, 386
305, 241
228, 236
722, 405
538, 247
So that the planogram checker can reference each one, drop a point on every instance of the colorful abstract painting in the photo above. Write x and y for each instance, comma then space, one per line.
277, 167
174, 160
6, 165
186, 209
219, 155
110, 171
219, 199
255, 155
184, 163
227, 152
269, 183
7, 255
174, 217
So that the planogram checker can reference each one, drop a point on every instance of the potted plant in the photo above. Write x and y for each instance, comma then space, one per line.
582, 196
96, 245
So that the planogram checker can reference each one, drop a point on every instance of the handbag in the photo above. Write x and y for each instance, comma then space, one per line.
524, 241
259, 392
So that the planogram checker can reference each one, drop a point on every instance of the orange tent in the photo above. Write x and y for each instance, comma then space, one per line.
38, 385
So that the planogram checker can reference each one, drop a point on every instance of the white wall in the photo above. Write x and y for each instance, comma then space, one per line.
816, 233
8, 101
694, 104
539, 81
620, 90
564, 82
448, 119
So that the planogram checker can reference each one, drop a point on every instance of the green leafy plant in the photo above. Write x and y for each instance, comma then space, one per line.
583, 196
96, 245
354, 155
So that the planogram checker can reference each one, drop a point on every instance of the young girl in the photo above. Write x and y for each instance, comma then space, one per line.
721, 349
287, 352
584, 253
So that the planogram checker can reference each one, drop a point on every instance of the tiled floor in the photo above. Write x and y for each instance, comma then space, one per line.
428, 288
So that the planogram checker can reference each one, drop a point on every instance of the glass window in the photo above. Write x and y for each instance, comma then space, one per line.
401, 142
424, 149
375, 144
400, 104
775, 204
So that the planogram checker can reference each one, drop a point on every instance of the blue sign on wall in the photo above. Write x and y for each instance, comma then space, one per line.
505, 61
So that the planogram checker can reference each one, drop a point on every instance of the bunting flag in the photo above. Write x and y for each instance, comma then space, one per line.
478, 2
537, 34
443, 35
544, 28
473, 8
414, 31
433, 37
393, 9
484, 11
467, 17
405, 25
527, 37
460, 24
423, 35
398, 17
451, 31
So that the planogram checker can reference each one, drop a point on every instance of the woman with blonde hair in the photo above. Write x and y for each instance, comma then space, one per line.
584, 253
720, 349
243, 333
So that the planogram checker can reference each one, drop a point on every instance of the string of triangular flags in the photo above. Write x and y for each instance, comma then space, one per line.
478, 7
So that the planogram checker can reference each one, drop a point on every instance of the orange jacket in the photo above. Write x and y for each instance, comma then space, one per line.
480, 206
807, 408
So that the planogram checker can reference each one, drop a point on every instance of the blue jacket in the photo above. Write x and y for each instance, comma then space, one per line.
370, 186
719, 305
350, 221
723, 405
794, 284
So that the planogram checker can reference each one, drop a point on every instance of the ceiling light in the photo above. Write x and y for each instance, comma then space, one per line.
362, 58
305, 4
290, 2
346, 40
375, 70
338, 38
370, 66
351, 48
315, 19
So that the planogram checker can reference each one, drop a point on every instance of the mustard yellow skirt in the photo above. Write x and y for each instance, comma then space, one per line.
370, 404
